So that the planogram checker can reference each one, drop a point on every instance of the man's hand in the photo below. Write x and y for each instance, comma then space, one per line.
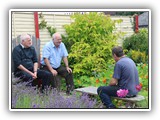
113, 82
69, 69
54, 72
34, 75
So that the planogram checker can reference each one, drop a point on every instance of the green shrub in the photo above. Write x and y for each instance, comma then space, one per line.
90, 39
143, 75
98, 79
137, 56
138, 41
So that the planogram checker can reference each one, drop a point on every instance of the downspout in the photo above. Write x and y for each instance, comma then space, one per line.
136, 24
37, 36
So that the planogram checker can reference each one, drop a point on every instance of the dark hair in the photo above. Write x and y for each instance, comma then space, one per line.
118, 51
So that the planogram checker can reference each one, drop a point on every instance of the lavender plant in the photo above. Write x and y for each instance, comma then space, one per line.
30, 97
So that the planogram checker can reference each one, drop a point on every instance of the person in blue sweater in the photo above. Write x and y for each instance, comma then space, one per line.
125, 76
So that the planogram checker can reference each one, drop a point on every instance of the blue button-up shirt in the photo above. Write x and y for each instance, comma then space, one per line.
54, 54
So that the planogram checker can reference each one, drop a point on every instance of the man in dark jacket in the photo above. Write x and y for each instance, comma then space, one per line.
26, 63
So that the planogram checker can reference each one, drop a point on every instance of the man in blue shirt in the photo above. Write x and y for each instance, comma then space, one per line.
125, 76
52, 55
26, 63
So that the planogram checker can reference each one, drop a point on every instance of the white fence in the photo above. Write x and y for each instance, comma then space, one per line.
23, 22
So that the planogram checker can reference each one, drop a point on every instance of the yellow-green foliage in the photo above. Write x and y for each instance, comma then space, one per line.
91, 39
137, 56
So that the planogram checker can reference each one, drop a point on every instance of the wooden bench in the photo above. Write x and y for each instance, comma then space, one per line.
130, 102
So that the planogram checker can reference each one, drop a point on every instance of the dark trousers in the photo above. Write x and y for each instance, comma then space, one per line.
105, 93
42, 75
62, 71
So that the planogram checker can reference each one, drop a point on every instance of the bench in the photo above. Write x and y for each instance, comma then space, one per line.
130, 102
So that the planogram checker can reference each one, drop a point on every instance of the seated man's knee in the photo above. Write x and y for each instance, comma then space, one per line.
27, 77
69, 74
48, 75
99, 90
23, 75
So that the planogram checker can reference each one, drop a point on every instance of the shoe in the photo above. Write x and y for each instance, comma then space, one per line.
130, 96
68, 91
111, 107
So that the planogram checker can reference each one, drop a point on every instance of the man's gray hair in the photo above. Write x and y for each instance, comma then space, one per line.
54, 35
24, 37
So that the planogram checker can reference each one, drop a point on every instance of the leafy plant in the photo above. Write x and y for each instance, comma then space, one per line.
137, 56
91, 39
97, 79
143, 75
51, 30
43, 25
137, 41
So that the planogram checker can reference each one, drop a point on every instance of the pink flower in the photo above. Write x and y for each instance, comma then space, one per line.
122, 92
139, 87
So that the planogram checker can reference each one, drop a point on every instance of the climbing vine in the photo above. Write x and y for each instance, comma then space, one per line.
51, 30
43, 25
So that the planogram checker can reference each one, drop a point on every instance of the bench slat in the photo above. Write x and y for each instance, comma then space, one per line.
91, 90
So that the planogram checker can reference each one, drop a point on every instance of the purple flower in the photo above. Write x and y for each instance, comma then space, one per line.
122, 92
29, 97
